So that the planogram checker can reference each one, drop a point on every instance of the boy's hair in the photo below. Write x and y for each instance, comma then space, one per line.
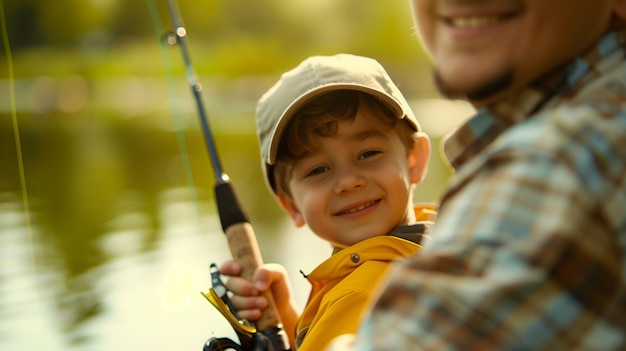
320, 118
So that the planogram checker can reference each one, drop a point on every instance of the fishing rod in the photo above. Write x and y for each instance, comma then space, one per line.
268, 333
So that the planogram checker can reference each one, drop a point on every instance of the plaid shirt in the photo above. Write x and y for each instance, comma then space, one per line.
529, 250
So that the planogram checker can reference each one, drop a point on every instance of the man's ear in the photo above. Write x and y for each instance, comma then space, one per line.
287, 203
418, 158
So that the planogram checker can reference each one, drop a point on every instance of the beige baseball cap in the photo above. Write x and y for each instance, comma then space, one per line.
314, 76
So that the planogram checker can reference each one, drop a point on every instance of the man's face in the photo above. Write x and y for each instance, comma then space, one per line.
485, 49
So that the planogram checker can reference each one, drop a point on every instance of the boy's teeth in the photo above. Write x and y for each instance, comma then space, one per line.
360, 207
474, 22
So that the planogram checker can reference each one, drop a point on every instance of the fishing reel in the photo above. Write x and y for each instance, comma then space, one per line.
250, 339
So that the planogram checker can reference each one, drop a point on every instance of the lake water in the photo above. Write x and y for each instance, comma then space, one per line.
137, 297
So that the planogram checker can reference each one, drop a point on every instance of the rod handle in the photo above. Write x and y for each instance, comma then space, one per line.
245, 251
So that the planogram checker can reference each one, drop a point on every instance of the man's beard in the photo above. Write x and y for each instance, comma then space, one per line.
479, 92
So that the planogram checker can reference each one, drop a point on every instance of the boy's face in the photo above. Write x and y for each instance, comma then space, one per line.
358, 184
484, 49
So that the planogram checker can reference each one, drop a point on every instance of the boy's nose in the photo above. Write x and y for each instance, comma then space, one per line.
348, 181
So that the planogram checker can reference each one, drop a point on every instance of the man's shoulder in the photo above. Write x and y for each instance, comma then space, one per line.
597, 103
596, 112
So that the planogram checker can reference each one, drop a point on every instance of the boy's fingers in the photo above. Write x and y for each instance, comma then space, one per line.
242, 287
242, 303
249, 308
268, 274
262, 279
230, 268
250, 315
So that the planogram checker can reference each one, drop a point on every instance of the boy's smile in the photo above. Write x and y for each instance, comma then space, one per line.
358, 210
357, 184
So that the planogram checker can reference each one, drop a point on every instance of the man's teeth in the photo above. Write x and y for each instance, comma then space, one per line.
474, 22
352, 210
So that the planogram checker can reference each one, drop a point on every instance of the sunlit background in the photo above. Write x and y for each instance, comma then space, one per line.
107, 214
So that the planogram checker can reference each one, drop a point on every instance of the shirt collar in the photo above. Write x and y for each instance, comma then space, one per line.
411, 232
489, 122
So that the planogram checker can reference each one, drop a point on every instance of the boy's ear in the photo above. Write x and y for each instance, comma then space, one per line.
287, 203
619, 10
418, 158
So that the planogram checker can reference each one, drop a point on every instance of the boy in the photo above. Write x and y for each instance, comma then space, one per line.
341, 151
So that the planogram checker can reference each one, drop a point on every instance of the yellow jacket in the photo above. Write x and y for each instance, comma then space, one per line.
342, 285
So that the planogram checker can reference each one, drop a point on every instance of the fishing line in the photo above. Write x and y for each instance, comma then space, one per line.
176, 115
16, 133
155, 16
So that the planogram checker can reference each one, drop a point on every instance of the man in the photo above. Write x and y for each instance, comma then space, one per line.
529, 250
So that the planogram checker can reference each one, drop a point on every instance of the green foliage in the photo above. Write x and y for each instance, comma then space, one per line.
232, 38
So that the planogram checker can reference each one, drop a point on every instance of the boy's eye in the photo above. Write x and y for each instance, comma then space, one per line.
369, 153
317, 170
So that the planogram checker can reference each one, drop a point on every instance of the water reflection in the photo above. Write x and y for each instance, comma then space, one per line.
127, 296
124, 297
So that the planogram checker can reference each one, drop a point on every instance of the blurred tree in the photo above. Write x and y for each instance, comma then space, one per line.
23, 22
53, 23
229, 38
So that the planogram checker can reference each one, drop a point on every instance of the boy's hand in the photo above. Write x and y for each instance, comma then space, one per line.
247, 299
